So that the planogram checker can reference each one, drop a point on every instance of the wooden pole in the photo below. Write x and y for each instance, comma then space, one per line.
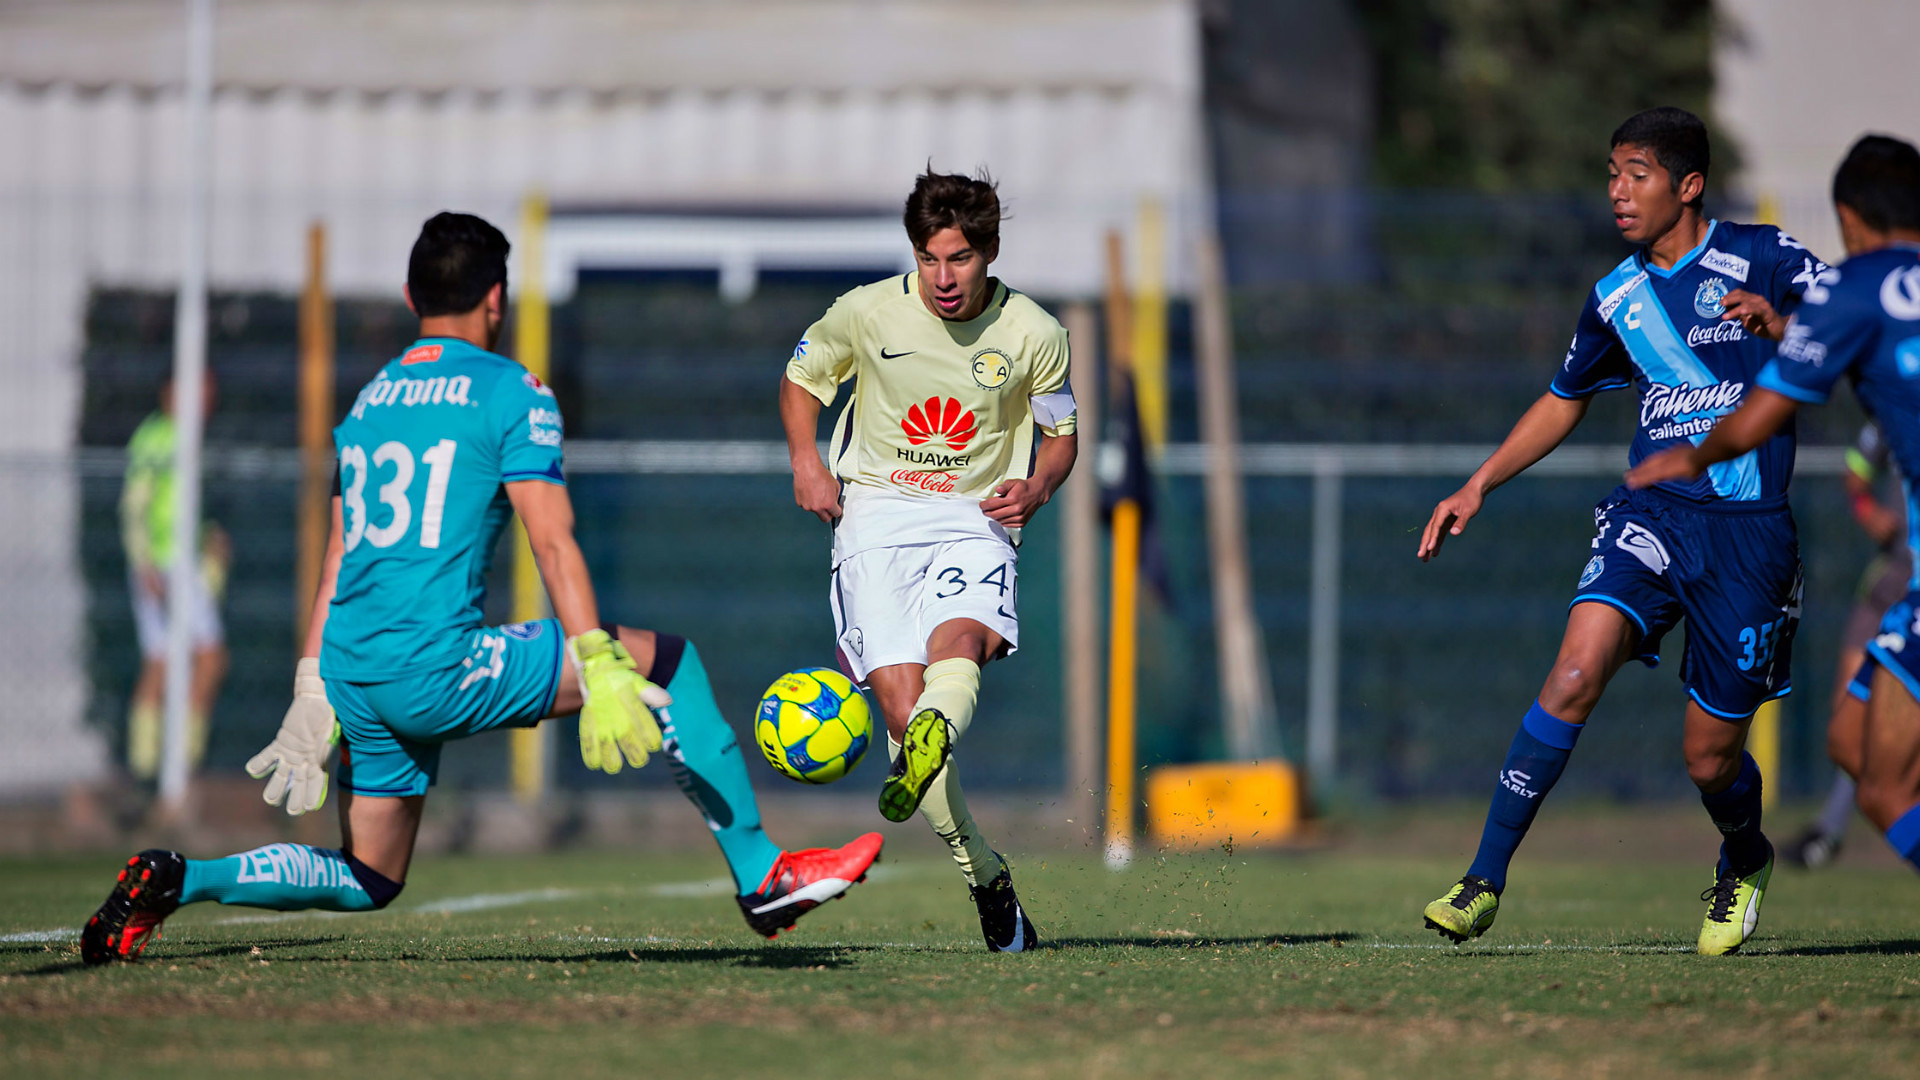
1080, 579
531, 343
316, 424
1147, 361
1246, 687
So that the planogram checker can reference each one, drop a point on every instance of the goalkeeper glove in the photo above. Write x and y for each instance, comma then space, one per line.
297, 756
616, 715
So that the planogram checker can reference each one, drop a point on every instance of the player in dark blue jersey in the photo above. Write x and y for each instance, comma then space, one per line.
1861, 320
1687, 321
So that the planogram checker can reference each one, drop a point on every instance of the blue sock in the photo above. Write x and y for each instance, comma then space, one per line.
288, 877
1534, 762
1736, 810
1904, 835
707, 763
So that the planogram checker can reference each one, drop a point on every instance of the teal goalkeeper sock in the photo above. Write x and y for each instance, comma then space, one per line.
707, 765
282, 877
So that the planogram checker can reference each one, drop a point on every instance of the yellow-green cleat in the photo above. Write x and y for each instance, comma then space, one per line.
1466, 911
1733, 909
923, 753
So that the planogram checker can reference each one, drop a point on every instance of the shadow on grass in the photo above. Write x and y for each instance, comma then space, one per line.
69, 961
1200, 941
769, 957
1894, 947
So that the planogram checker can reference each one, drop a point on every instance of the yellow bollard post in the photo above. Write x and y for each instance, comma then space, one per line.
1763, 742
1120, 683
527, 761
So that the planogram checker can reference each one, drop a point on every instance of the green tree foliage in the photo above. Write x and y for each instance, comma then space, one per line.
1503, 95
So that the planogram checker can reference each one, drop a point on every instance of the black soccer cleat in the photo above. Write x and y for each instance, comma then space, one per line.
803, 880
147, 891
1002, 920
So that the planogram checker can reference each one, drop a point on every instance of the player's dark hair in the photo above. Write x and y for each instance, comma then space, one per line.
1676, 138
456, 260
945, 200
1880, 181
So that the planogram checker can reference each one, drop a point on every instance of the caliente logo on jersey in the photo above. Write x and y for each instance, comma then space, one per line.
935, 420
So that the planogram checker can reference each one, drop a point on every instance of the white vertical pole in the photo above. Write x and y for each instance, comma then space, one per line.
1323, 637
189, 369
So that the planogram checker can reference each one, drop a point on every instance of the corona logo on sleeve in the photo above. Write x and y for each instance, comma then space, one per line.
935, 420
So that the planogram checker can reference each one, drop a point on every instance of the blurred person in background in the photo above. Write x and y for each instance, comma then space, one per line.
1882, 585
1687, 322
146, 533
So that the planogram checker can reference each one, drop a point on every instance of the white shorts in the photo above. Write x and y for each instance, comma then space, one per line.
887, 601
150, 618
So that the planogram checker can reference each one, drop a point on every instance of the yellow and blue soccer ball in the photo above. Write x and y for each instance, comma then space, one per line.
813, 725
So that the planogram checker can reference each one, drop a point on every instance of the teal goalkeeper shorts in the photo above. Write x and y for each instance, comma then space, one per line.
393, 730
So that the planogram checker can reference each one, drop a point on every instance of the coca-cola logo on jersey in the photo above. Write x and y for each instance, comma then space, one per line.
934, 420
938, 482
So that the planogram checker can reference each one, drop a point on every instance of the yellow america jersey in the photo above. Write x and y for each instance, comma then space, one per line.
941, 410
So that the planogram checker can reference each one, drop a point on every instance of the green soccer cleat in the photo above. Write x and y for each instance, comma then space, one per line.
1466, 911
923, 753
1733, 909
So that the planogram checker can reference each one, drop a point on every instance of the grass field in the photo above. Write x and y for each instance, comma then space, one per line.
1193, 966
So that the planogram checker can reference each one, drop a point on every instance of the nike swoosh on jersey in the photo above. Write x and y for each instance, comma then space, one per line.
885, 355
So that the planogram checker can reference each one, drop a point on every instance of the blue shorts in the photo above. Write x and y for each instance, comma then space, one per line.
393, 730
1896, 647
1731, 570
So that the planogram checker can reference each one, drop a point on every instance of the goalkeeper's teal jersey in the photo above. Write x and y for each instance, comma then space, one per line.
423, 455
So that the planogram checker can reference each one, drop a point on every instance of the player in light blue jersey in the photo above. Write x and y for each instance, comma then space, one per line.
1687, 321
446, 443
1861, 321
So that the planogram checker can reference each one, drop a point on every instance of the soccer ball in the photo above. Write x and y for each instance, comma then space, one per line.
813, 725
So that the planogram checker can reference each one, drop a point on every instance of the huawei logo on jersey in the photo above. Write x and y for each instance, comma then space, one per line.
937, 421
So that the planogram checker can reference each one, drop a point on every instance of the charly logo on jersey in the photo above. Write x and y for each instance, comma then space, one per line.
525, 631
991, 369
1637, 541
389, 391
543, 426
1900, 293
1706, 299
1691, 410
533, 383
936, 420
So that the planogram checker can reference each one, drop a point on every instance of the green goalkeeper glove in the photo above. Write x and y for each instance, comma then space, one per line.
298, 754
616, 711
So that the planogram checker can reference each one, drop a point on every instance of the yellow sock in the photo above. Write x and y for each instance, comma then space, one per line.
945, 808
196, 738
143, 740
952, 686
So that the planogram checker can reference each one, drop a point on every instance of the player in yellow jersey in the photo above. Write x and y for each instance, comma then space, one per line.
927, 492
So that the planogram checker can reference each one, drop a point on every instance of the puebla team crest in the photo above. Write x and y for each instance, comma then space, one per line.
1706, 302
991, 369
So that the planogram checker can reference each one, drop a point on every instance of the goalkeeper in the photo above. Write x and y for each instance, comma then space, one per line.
438, 451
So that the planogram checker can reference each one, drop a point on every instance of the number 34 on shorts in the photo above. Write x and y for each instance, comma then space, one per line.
888, 601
